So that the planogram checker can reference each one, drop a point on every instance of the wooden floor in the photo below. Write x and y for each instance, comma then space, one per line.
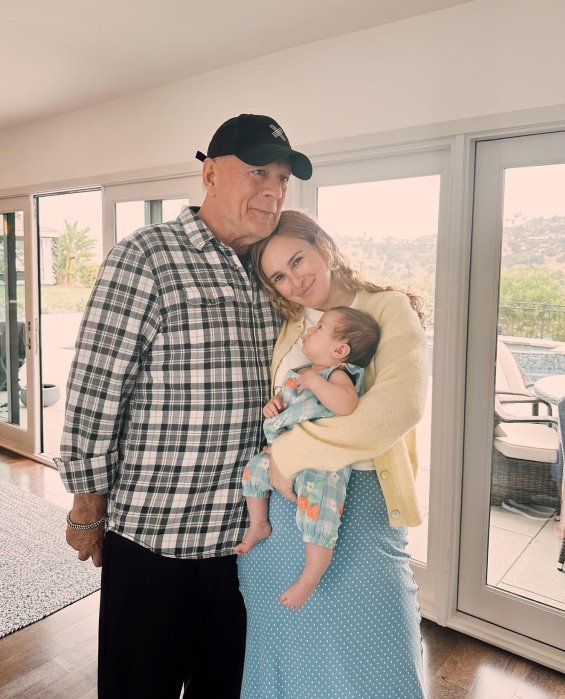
55, 658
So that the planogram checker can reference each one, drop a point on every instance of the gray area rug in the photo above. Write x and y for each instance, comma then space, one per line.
39, 572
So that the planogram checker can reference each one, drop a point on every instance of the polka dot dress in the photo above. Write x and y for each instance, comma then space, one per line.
358, 636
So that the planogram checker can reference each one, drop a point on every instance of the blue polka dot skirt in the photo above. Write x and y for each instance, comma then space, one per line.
358, 636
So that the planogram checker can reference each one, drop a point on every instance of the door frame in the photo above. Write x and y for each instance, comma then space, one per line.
19, 439
412, 160
476, 598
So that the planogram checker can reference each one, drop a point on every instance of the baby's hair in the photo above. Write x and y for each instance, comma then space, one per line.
360, 331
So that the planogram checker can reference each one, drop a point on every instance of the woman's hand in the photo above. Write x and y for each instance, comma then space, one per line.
282, 485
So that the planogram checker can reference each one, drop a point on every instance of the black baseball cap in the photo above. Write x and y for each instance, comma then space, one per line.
257, 140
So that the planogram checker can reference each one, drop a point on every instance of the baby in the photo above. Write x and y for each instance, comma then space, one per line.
327, 387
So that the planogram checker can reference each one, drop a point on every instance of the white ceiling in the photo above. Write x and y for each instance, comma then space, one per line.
61, 55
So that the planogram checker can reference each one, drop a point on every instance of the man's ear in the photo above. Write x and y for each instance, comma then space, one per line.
341, 351
209, 174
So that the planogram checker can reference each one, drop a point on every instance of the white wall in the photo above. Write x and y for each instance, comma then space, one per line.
482, 57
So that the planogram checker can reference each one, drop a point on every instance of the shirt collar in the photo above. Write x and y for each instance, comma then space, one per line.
197, 231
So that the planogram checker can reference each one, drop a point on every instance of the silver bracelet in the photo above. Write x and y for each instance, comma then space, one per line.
84, 527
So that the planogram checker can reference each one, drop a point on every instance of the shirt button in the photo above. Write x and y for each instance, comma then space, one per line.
395, 514
384, 475
211, 299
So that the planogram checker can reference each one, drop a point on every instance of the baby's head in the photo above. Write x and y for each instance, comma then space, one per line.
342, 334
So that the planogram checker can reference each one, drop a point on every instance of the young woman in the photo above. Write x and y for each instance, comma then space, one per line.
358, 634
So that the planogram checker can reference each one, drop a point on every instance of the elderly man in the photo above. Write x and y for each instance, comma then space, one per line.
164, 410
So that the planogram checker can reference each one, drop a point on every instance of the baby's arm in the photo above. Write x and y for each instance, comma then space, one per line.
337, 393
274, 406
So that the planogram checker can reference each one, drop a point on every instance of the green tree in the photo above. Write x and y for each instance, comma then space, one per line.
72, 254
532, 298
532, 284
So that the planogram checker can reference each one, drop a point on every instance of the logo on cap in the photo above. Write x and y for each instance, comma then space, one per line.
277, 132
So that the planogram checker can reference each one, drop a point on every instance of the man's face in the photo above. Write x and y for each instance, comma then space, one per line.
248, 198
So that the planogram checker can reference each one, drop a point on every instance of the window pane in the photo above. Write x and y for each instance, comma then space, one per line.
131, 215
527, 466
172, 207
12, 320
388, 231
70, 244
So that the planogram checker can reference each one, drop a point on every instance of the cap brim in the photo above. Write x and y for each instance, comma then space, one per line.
300, 165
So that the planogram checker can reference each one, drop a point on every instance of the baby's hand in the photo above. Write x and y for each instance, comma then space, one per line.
274, 406
306, 378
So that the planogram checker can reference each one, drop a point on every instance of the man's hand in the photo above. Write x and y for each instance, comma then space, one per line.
88, 543
282, 485
87, 508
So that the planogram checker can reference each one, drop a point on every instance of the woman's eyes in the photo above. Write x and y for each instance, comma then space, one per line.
280, 277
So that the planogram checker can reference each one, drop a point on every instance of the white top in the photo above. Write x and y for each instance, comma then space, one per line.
296, 358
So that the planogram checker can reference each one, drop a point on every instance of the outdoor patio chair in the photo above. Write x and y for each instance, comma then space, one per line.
509, 378
513, 386
524, 449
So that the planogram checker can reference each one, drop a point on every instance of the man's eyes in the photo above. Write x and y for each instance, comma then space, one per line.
285, 179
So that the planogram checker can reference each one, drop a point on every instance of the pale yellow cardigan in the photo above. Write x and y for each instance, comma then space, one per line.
382, 427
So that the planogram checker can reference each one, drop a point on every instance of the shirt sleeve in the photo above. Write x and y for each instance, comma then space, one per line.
392, 406
120, 321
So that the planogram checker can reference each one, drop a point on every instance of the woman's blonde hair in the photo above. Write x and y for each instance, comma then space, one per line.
302, 226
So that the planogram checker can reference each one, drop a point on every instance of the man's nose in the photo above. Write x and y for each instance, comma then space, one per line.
273, 186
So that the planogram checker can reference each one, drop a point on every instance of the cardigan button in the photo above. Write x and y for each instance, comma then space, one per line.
384, 475
395, 514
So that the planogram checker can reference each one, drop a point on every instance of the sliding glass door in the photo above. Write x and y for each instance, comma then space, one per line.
19, 327
76, 230
513, 466
388, 215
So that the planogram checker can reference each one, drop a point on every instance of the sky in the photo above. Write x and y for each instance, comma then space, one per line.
535, 191
403, 208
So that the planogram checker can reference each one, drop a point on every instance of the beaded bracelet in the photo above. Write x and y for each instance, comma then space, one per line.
84, 527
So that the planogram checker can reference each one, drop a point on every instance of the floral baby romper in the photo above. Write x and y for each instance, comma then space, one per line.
321, 494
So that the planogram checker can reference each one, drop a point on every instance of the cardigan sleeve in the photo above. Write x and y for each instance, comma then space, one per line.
391, 406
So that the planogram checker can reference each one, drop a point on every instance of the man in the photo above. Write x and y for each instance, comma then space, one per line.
163, 411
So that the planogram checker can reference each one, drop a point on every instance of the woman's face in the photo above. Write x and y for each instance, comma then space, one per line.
298, 271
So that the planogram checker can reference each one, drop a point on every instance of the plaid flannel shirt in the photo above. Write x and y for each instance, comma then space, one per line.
165, 394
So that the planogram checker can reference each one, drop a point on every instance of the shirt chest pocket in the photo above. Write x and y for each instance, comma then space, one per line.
202, 315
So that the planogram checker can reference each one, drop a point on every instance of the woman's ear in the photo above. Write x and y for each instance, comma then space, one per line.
341, 351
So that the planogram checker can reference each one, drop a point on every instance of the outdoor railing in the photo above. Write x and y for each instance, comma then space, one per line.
535, 320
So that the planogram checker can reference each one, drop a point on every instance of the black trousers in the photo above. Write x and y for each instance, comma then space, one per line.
167, 622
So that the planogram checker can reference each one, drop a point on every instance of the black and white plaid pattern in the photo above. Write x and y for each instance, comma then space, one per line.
166, 389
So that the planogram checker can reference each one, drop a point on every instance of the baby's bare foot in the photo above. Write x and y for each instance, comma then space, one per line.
298, 593
255, 533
